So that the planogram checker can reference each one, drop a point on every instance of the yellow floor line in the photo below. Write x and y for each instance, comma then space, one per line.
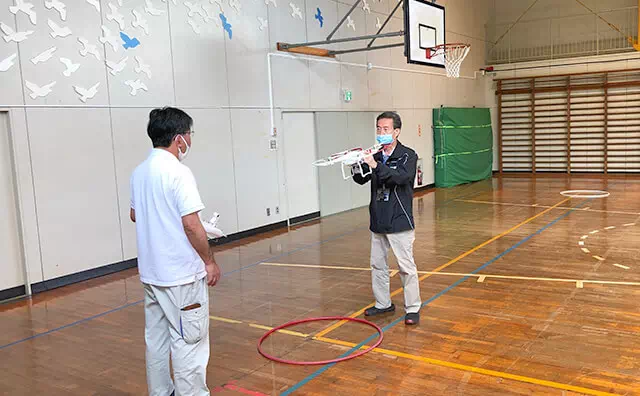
317, 266
219, 319
293, 333
482, 277
450, 262
478, 370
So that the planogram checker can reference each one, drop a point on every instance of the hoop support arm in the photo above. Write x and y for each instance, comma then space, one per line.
343, 19
288, 47
333, 53
387, 21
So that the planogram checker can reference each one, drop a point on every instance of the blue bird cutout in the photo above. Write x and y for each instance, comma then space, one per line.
319, 17
128, 41
226, 25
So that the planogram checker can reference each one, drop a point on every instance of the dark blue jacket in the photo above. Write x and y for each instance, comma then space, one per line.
391, 206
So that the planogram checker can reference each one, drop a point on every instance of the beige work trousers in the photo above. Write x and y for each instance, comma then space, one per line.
169, 330
402, 245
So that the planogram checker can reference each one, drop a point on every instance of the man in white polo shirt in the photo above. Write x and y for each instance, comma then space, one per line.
174, 259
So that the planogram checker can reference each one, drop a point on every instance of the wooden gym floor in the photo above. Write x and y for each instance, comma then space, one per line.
525, 292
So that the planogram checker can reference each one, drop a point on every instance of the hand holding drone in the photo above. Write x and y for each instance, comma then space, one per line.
353, 159
211, 228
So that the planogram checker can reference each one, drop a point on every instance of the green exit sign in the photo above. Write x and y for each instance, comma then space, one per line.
347, 95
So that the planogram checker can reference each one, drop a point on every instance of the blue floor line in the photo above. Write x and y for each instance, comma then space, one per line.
400, 319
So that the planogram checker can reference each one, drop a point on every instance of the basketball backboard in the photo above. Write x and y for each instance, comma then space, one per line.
424, 28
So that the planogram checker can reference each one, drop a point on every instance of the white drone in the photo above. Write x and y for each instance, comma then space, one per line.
211, 227
353, 159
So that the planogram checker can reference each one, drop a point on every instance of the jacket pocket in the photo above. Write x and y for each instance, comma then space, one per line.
194, 324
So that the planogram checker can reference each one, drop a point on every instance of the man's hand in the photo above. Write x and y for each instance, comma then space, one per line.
213, 273
373, 164
198, 238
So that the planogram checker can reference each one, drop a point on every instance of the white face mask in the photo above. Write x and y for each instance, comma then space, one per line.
181, 155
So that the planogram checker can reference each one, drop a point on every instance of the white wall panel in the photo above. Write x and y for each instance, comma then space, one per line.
200, 70
153, 51
212, 163
75, 189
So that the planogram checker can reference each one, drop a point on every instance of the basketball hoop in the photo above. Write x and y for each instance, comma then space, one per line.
454, 54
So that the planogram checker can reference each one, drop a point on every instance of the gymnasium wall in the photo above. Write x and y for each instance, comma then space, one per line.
73, 157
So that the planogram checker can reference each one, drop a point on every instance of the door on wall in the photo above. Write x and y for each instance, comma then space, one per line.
301, 176
11, 264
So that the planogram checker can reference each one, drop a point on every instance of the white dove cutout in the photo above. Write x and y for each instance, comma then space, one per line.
295, 11
27, 8
194, 9
378, 23
71, 67
58, 6
88, 48
95, 4
108, 38
86, 93
235, 4
271, 1
39, 92
12, 35
194, 26
263, 23
366, 7
43, 56
218, 2
57, 31
151, 9
142, 67
211, 15
211, 227
135, 86
117, 67
140, 22
116, 16
7, 63
351, 23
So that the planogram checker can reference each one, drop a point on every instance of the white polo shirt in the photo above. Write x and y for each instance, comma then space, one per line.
162, 191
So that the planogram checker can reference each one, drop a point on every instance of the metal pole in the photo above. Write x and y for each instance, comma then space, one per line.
343, 19
387, 21
392, 34
366, 49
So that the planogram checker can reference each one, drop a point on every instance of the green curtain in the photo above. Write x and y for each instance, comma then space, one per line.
463, 145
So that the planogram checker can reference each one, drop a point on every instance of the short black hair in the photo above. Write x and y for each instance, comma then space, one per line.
166, 123
391, 115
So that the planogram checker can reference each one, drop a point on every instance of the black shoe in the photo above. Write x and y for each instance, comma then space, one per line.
377, 311
173, 393
412, 318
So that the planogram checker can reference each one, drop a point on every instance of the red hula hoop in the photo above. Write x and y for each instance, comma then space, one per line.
322, 362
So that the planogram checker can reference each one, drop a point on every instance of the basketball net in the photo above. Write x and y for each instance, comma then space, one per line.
454, 54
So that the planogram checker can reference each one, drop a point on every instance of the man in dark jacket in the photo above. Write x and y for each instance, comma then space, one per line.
392, 173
